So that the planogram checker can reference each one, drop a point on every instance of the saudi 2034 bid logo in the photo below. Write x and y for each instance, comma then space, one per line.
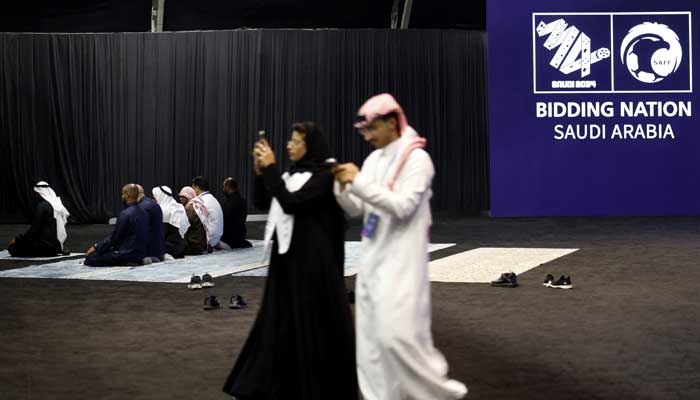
616, 52
573, 47
651, 52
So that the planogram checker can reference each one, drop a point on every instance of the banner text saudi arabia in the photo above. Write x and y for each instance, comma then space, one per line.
598, 129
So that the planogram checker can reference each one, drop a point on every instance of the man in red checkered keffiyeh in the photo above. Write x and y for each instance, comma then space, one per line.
396, 358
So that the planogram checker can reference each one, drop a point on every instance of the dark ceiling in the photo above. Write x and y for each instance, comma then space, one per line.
135, 15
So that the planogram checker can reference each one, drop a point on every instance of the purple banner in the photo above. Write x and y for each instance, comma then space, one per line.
593, 108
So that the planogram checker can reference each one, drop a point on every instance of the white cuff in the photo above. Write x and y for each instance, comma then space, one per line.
341, 190
360, 182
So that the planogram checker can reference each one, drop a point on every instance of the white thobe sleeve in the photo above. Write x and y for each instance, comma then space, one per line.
413, 183
350, 203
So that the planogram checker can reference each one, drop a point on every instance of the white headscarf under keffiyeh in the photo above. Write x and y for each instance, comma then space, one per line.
59, 211
173, 212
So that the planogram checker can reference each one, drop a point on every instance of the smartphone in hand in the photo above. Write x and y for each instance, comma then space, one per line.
261, 137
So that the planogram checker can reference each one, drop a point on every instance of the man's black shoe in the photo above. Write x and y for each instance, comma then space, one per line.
507, 279
548, 280
195, 282
211, 303
207, 281
237, 302
562, 283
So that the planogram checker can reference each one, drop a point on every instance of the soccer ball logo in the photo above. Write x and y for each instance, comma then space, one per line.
651, 52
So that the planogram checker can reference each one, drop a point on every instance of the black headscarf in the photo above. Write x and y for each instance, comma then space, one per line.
316, 148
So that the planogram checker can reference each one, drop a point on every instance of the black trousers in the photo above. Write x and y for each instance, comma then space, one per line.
108, 259
31, 248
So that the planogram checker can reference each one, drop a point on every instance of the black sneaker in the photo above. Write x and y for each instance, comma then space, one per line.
507, 279
195, 282
548, 280
65, 251
207, 281
237, 302
562, 283
211, 303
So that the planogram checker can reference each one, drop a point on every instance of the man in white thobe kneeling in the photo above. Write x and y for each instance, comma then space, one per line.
396, 358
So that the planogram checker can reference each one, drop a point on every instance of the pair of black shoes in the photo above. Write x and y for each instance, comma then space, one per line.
197, 282
236, 302
507, 279
564, 282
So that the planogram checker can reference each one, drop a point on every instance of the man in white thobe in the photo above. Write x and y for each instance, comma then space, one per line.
396, 358
215, 217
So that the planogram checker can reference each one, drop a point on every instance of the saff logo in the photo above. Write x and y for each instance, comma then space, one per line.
612, 52
651, 52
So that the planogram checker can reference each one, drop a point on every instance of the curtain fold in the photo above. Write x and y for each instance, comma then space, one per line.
90, 112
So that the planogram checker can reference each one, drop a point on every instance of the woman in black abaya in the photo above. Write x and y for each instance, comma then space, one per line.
302, 344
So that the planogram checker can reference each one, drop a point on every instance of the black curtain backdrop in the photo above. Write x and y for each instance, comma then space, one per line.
90, 112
